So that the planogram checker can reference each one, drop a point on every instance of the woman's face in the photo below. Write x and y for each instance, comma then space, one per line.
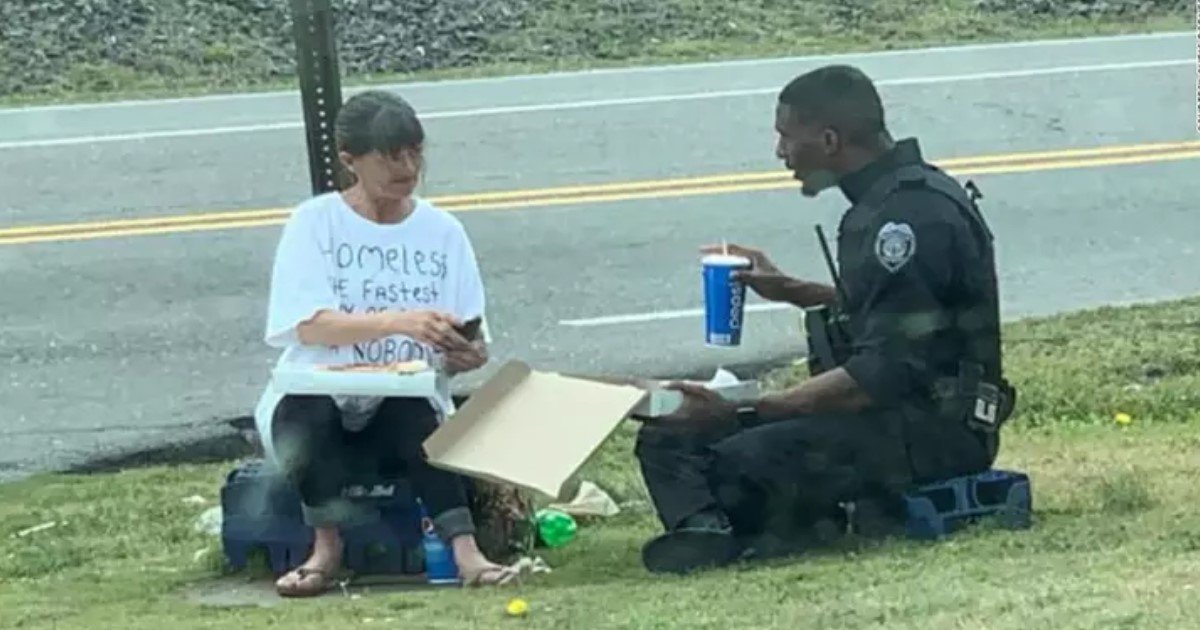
386, 177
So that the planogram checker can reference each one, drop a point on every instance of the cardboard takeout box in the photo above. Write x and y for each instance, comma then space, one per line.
535, 429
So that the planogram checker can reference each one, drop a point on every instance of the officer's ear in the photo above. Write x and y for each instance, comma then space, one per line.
831, 141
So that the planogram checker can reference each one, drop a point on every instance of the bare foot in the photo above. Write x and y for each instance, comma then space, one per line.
316, 575
475, 568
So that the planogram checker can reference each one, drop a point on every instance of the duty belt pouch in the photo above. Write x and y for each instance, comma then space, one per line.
985, 413
984, 406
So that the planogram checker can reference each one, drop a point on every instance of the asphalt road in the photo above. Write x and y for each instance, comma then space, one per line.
114, 343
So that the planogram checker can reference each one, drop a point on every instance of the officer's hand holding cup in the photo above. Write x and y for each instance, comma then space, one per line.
763, 277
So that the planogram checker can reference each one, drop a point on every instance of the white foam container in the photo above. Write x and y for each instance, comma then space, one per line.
661, 402
313, 381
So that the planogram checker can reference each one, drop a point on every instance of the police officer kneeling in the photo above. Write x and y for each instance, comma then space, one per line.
905, 352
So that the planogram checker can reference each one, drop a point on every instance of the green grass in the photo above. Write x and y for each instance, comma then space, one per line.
1083, 368
1116, 541
575, 34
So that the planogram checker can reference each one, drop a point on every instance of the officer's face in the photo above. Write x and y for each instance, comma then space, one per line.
807, 150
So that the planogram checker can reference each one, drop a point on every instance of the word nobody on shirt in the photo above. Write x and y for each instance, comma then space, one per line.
372, 279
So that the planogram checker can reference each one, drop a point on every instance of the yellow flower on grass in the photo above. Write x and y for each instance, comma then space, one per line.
1122, 418
517, 608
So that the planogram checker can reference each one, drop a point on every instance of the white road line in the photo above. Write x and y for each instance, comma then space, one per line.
594, 104
639, 318
631, 70
149, 135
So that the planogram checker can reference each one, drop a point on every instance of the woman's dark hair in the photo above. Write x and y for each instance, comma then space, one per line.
376, 120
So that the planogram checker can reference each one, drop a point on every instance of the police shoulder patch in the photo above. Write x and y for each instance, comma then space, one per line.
895, 245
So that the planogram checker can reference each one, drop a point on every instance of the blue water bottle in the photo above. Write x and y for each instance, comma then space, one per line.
440, 568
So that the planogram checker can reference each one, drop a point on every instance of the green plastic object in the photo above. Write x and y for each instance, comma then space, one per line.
554, 527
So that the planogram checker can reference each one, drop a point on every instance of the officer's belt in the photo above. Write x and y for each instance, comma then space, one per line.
947, 387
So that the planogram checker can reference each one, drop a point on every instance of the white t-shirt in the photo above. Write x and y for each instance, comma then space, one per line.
331, 257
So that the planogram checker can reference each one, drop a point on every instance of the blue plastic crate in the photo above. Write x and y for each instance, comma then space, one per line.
390, 546
261, 511
938, 509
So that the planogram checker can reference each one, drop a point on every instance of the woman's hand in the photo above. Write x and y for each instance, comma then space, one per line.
431, 327
472, 358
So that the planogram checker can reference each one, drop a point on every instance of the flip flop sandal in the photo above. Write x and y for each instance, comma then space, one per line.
305, 588
507, 575
686, 550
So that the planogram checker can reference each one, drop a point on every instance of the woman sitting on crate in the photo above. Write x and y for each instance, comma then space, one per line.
371, 275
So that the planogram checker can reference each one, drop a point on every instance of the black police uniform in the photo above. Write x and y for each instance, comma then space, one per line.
916, 263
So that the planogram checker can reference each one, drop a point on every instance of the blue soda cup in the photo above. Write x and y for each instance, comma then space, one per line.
440, 568
724, 299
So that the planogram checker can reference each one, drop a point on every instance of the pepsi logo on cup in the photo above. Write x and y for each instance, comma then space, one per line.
735, 305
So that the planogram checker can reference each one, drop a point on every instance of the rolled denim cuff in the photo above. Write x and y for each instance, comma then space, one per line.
339, 512
454, 523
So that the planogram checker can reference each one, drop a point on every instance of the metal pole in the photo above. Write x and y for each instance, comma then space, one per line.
320, 88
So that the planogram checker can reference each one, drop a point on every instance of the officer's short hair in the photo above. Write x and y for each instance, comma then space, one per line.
838, 96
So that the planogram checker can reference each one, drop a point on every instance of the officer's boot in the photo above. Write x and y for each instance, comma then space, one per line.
702, 541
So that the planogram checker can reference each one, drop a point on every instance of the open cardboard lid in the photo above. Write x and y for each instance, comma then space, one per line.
531, 429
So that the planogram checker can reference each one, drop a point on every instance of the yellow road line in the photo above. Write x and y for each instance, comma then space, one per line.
148, 222
145, 231
476, 200
790, 183
783, 175
1169, 156
1149, 147
625, 191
